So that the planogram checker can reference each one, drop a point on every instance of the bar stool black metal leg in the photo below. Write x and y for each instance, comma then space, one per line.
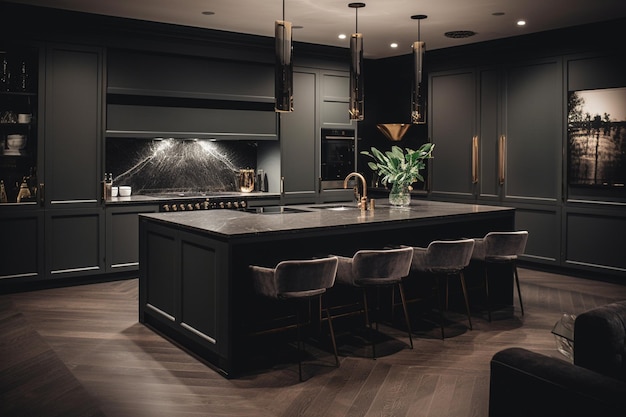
467, 308
406, 313
519, 292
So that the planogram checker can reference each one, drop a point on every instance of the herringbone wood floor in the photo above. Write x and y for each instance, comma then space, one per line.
116, 367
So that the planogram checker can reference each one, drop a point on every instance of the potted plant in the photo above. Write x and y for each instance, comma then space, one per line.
400, 169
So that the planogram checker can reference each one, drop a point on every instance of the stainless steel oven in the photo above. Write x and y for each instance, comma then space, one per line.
338, 157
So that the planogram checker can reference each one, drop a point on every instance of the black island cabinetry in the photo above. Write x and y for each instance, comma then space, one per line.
194, 283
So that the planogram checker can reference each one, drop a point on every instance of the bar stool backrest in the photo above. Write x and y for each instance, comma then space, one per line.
447, 255
393, 264
505, 246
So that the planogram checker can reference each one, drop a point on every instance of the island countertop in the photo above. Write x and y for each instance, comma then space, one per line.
321, 217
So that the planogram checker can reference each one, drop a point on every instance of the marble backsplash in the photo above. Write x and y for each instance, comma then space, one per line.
162, 165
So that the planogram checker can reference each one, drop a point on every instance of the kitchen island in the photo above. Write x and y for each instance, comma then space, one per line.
194, 283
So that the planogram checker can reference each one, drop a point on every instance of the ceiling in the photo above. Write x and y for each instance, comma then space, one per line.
381, 21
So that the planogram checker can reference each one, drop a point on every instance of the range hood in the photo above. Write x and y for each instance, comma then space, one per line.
394, 131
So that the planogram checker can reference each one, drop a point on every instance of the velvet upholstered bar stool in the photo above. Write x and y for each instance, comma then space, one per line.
373, 269
445, 259
298, 281
500, 248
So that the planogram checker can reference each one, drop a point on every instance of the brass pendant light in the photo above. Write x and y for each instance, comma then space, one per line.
356, 68
283, 67
418, 114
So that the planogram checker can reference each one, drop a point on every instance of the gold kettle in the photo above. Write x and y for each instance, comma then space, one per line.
246, 180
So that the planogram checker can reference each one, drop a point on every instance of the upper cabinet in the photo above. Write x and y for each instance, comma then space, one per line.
19, 141
164, 95
73, 126
320, 101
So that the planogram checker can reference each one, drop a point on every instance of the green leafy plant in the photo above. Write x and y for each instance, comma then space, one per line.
400, 167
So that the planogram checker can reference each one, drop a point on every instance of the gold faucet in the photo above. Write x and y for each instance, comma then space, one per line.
363, 199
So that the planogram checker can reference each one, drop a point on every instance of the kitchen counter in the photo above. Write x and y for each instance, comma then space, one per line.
194, 281
321, 218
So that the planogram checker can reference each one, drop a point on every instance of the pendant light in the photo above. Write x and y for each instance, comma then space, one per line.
283, 67
356, 68
417, 105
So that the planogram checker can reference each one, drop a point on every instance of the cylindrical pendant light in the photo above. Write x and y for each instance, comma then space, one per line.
283, 67
356, 69
418, 113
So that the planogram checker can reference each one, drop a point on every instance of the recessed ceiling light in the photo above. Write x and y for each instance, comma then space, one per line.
459, 34
393, 45
521, 22
342, 36
208, 13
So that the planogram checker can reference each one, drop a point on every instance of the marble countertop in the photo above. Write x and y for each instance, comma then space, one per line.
237, 224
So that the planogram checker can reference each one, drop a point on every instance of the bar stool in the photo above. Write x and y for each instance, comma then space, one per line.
445, 258
376, 268
298, 281
500, 247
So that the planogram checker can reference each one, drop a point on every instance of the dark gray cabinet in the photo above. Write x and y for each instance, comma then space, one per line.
320, 100
185, 292
298, 142
498, 134
64, 237
165, 95
122, 236
73, 128
74, 242
21, 256
453, 109
74, 218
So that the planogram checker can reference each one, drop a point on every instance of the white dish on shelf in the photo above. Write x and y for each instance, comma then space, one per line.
24, 118
16, 142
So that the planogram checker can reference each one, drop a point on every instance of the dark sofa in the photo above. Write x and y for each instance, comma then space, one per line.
526, 383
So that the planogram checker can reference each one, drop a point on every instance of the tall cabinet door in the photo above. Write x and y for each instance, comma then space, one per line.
74, 220
298, 142
452, 129
533, 148
534, 118
73, 114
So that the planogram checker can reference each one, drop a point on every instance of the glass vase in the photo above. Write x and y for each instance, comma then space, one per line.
399, 196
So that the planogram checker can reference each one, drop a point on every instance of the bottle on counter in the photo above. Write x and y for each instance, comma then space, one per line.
3, 193
260, 177
109, 184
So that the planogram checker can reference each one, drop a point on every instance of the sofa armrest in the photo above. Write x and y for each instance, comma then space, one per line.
525, 383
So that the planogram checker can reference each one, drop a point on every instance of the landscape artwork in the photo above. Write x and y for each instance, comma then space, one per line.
597, 137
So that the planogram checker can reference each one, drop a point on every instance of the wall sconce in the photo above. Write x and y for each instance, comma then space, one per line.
356, 68
283, 67
417, 105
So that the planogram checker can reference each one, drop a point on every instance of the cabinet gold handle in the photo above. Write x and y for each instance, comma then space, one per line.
475, 160
501, 157
282, 185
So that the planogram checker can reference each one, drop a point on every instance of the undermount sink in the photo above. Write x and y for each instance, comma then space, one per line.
274, 210
341, 207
